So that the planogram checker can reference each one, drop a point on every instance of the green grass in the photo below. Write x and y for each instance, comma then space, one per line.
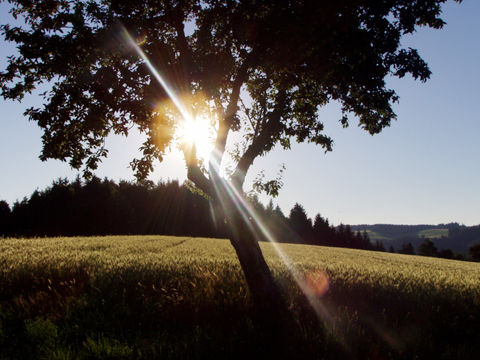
430, 233
433, 233
175, 297
377, 236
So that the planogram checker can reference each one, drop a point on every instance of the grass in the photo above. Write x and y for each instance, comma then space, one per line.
430, 233
373, 235
433, 233
155, 297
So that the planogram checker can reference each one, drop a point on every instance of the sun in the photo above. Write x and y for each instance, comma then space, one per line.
197, 131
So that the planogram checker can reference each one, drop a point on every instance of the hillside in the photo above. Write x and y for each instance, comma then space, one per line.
158, 297
452, 236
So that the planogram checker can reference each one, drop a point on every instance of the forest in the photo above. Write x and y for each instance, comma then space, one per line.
104, 207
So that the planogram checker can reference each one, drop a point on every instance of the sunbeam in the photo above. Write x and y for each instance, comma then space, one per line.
171, 94
309, 288
224, 188
192, 130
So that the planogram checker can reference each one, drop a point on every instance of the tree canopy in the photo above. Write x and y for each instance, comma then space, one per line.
262, 68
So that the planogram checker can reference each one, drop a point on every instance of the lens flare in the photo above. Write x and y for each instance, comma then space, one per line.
318, 282
197, 131
191, 130
224, 189
171, 94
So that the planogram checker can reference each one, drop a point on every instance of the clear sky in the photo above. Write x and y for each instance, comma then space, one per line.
424, 169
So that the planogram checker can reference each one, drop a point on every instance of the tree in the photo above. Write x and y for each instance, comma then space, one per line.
300, 223
407, 248
5, 213
366, 239
379, 246
340, 236
322, 231
446, 254
474, 252
427, 248
260, 68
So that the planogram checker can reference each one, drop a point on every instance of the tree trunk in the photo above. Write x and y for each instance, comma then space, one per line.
265, 292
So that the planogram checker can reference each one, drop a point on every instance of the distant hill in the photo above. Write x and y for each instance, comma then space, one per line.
390, 231
452, 236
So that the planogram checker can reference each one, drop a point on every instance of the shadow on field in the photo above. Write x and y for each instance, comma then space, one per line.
202, 310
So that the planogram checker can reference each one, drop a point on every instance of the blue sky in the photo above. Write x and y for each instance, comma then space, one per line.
422, 169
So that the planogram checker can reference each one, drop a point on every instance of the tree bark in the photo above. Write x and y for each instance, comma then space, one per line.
244, 236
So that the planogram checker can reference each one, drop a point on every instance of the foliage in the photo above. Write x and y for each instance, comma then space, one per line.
390, 231
467, 235
161, 297
280, 60
407, 248
5, 220
300, 222
103, 207
427, 248
474, 252
446, 254
453, 236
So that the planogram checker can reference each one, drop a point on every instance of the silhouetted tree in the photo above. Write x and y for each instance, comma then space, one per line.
279, 227
407, 248
101, 207
279, 213
300, 223
348, 236
466, 235
446, 254
391, 249
322, 232
269, 209
427, 248
340, 238
287, 58
363, 241
379, 246
4, 218
474, 252
366, 239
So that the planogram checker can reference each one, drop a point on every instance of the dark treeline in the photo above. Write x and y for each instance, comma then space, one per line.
298, 228
397, 231
103, 207
429, 248
457, 239
469, 235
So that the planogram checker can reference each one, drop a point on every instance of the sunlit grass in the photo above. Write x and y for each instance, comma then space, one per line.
117, 294
433, 233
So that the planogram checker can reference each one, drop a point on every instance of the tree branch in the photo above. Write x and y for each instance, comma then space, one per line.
194, 173
186, 58
260, 142
226, 119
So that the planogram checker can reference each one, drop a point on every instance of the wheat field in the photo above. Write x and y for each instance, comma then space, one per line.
161, 296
